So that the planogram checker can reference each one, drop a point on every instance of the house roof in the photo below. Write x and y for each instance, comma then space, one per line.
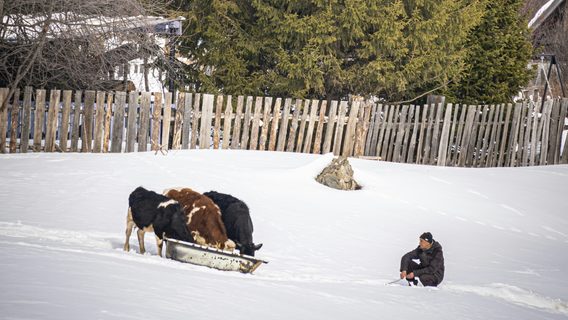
544, 12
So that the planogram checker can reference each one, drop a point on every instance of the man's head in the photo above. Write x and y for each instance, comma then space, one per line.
426, 241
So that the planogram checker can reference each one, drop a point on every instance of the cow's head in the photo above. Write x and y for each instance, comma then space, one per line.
248, 248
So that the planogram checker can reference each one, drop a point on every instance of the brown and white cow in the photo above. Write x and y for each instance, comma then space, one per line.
203, 218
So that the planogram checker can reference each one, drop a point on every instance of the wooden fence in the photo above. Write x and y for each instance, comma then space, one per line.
437, 134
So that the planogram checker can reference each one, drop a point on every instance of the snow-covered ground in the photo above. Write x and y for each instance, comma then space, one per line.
504, 233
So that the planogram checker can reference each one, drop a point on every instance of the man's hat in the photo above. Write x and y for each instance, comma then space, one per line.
427, 236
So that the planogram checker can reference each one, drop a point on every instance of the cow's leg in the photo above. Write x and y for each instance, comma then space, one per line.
159, 244
140, 233
129, 227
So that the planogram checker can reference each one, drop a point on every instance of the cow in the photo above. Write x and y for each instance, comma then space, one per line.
153, 212
203, 218
236, 217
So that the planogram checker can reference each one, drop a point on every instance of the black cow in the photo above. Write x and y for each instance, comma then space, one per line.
151, 211
236, 217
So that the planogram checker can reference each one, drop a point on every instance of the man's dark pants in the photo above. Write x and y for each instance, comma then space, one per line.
428, 280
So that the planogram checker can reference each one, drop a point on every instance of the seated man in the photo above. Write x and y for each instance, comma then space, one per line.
430, 271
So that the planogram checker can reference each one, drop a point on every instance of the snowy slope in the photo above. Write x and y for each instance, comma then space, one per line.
504, 233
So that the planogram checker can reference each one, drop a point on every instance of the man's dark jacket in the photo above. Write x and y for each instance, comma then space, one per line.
431, 261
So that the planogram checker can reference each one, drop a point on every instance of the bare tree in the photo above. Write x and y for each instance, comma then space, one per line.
74, 44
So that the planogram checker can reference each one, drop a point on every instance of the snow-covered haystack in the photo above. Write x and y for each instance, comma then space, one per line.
338, 175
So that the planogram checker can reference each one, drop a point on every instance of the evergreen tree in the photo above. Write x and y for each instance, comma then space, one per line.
397, 49
498, 53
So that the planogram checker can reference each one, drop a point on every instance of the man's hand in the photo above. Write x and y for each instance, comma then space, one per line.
410, 275
403, 274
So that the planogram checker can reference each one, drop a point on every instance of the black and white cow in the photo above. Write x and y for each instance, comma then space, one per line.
151, 211
237, 221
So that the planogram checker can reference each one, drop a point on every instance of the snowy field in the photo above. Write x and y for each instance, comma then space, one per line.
504, 232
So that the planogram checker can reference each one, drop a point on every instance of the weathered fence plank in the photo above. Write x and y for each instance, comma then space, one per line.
563, 104
206, 117
294, 126
430, 126
412, 144
383, 126
274, 125
156, 122
504, 134
131, 127
65, 117
385, 131
186, 120
3, 119
144, 124
227, 123
546, 114
99, 122
311, 126
392, 133
348, 141
492, 133
39, 118
88, 120
369, 146
301, 131
118, 123
319, 129
166, 123
475, 131
51, 125
217, 126
400, 134
362, 128
195, 120
178, 121
467, 133
77, 114
236, 137
513, 145
444, 139
26, 120
281, 143
329, 129
14, 117
246, 124
564, 156
452, 145
255, 124
496, 146
407, 132
339, 128
422, 134
527, 122
535, 134
265, 123
483, 135
436, 133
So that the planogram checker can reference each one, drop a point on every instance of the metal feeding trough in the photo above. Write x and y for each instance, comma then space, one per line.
210, 257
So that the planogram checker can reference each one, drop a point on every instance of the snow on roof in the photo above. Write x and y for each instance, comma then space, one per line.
543, 13
71, 25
